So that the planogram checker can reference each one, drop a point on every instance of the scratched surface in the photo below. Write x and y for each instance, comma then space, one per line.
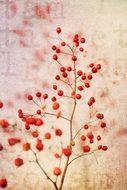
25, 66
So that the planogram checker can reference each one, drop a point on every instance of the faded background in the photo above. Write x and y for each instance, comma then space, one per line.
25, 66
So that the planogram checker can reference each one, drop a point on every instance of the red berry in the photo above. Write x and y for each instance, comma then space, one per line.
54, 87
27, 127
3, 182
98, 66
91, 141
39, 145
60, 93
92, 99
83, 77
58, 50
69, 69
63, 43
1, 147
98, 137
38, 112
18, 162
30, 97
30, 120
90, 103
47, 136
103, 124
104, 148
64, 74
53, 99
58, 30
99, 147
55, 57
35, 134
1, 104
86, 148
13, 141
58, 132
57, 77
56, 155
45, 96
80, 88
67, 151
26, 146
89, 77
62, 69
39, 122
38, 94
94, 70
57, 171
87, 85
74, 58
54, 47
79, 73
86, 126
55, 106
81, 49
82, 40
78, 96
90, 135
83, 138
91, 64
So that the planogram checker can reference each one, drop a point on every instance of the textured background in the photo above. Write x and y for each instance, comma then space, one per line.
25, 66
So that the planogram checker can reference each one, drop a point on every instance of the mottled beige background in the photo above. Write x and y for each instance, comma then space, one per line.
104, 24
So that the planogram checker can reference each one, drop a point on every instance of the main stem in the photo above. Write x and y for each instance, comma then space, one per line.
71, 127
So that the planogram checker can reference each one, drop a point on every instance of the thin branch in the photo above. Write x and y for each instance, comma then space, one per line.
47, 113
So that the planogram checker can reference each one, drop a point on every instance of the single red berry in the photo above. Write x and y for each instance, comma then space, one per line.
57, 171
55, 57
53, 99
79, 73
45, 96
55, 106
81, 49
69, 69
20, 111
91, 141
86, 148
1, 104
54, 47
58, 132
27, 126
86, 126
104, 148
47, 135
30, 97
90, 135
56, 155
58, 50
35, 134
91, 65
63, 44
94, 70
98, 66
83, 138
98, 137
58, 30
82, 40
57, 77
77, 44
60, 92
13, 141
67, 151
62, 69
55, 87
99, 147
38, 112
103, 124
90, 103
26, 146
39, 145
18, 162
39, 122
3, 182
87, 85
80, 88
92, 99
78, 96
1, 147
89, 77
38, 94
83, 77
74, 58
64, 74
